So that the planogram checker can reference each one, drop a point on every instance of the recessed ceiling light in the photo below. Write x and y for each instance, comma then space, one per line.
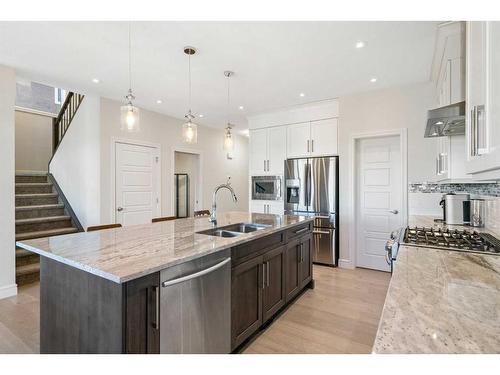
95, 80
360, 44
200, 115
159, 101
241, 107
373, 80
302, 94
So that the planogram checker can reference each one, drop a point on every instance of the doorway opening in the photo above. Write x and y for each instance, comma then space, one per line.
187, 186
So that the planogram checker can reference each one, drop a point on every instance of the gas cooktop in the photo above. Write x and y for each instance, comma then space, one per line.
460, 240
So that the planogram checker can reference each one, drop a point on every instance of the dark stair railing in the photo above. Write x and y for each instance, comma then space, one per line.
63, 120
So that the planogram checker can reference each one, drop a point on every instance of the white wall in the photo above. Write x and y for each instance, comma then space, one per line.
7, 162
394, 108
76, 164
166, 131
33, 142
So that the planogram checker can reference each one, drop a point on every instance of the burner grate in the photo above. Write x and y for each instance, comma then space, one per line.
463, 240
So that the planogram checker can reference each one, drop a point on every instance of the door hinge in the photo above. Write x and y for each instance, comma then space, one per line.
157, 159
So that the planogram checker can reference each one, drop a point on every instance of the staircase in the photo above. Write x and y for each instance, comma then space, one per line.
40, 212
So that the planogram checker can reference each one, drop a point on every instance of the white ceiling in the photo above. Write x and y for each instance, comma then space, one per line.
273, 61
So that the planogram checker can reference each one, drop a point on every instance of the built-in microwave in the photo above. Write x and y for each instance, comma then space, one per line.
266, 188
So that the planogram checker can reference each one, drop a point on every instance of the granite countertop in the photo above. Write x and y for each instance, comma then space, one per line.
441, 301
124, 254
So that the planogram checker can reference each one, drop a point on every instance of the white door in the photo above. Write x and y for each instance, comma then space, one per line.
379, 196
298, 140
137, 184
258, 151
324, 137
276, 141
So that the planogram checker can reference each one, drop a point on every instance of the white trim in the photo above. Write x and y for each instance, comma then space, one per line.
403, 142
35, 112
199, 184
8, 291
346, 263
112, 175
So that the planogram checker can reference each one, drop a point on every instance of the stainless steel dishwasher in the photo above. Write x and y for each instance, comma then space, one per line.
195, 306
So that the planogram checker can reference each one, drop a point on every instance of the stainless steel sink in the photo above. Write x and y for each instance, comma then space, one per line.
234, 230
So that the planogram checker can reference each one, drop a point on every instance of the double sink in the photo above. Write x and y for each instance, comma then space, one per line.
234, 230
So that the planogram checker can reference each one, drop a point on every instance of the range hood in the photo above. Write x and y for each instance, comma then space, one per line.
449, 120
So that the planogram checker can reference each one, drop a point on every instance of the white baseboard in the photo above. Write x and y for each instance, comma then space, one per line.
8, 291
346, 263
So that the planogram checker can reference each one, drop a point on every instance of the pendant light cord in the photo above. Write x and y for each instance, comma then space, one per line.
189, 69
228, 122
129, 59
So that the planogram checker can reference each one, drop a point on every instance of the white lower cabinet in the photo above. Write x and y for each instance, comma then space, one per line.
267, 207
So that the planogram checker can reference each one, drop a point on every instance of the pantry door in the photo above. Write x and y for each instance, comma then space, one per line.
137, 183
379, 198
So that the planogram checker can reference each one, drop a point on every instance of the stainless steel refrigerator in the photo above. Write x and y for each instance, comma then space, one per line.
312, 189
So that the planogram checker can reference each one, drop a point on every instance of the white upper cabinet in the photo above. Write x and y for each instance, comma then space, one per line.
267, 151
314, 138
324, 137
276, 154
483, 100
258, 151
298, 140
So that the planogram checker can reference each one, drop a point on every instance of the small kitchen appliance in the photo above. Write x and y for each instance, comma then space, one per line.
477, 212
456, 208
266, 188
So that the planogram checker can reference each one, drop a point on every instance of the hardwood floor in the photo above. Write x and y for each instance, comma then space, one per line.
340, 315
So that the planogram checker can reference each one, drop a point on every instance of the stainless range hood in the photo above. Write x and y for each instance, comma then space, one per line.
449, 120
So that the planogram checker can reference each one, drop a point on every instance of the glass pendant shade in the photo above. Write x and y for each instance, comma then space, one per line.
228, 140
129, 118
190, 132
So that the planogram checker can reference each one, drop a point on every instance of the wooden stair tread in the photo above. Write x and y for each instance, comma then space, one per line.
45, 233
29, 195
27, 269
35, 220
20, 252
33, 183
40, 207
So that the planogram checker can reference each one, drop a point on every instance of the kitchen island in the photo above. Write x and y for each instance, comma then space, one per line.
441, 301
103, 292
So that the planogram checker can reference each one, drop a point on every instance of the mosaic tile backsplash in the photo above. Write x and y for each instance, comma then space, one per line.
491, 189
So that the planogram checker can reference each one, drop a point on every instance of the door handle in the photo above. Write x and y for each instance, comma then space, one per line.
263, 275
264, 165
156, 321
119, 209
301, 230
267, 273
395, 212
308, 145
312, 145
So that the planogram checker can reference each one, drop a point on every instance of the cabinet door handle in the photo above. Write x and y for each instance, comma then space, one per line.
263, 275
264, 165
267, 273
301, 230
156, 320
308, 145
312, 145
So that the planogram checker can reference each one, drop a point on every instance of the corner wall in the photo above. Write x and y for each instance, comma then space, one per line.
386, 109
8, 285
76, 165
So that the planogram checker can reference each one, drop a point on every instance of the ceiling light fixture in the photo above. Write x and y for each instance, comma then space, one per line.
360, 44
129, 118
95, 80
302, 94
373, 80
189, 128
228, 137
200, 116
159, 101
241, 107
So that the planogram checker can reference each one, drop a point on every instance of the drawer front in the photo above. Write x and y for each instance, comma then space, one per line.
242, 253
299, 230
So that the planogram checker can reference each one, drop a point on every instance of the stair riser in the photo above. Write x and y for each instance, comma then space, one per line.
23, 228
31, 179
28, 259
22, 201
28, 278
29, 214
36, 189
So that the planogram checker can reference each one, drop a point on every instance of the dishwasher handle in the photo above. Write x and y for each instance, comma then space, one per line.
196, 274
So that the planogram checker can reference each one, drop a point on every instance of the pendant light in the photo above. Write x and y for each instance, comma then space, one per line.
228, 137
189, 128
129, 118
